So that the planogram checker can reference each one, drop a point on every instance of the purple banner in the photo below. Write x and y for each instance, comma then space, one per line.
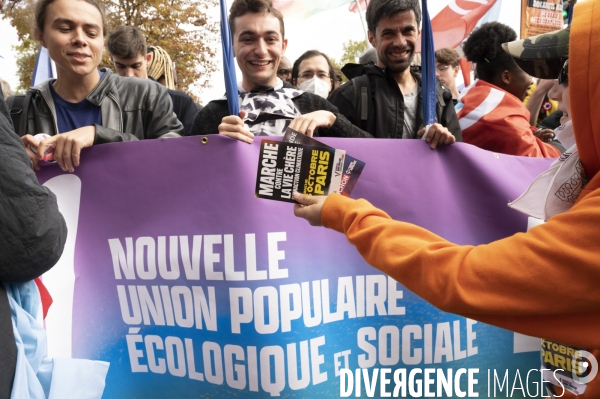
192, 287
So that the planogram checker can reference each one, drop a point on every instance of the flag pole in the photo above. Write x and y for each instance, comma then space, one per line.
362, 21
228, 63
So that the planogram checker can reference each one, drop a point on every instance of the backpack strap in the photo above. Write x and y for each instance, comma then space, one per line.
361, 100
19, 105
15, 105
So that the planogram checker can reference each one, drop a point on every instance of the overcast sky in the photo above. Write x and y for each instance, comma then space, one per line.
326, 31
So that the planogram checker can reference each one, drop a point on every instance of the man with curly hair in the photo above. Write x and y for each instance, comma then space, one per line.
494, 117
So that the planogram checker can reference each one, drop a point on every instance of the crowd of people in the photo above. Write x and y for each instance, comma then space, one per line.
86, 105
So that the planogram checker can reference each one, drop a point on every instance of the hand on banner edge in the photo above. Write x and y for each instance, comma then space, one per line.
68, 146
437, 135
233, 126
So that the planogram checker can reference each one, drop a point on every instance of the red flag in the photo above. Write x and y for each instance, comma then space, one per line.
44, 295
354, 7
454, 23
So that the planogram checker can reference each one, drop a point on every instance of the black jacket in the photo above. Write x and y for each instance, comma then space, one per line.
385, 118
32, 234
184, 107
207, 121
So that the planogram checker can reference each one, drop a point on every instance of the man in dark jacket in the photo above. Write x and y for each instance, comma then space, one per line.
32, 233
129, 54
268, 105
385, 99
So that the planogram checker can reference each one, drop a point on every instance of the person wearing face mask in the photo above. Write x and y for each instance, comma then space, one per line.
268, 105
543, 283
314, 73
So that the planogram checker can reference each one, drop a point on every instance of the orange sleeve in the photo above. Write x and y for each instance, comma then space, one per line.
543, 283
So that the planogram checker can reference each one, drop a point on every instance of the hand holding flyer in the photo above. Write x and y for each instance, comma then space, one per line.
300, 163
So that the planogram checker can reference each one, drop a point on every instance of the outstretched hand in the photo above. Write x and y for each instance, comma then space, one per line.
309, 208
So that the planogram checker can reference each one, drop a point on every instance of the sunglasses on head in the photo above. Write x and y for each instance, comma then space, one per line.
563, 75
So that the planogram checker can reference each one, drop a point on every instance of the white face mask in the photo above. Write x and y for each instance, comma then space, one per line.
316, 86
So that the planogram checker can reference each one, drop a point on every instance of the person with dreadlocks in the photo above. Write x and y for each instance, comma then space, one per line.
161, 67
494, 117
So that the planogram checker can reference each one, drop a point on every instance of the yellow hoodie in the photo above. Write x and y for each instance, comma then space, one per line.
510, 283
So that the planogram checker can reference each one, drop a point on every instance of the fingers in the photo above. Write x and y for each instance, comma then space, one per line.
303, 125
238, 133
545, 135
233, 126
45, 144
297, 124
308, 123
33, 157
29, 140
67, 151
433, 137
304, 199
437, 135
309, 208
59, 154
449, 139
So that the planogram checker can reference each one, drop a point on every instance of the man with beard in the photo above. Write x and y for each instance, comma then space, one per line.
385, 100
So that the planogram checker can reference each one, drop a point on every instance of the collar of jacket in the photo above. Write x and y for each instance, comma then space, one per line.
106, 85
415, 71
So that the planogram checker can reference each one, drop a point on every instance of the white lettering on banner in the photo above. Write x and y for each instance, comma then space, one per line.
268, 309
427, 383
387, 344
230, 365
140, 260
179, 305
297, 301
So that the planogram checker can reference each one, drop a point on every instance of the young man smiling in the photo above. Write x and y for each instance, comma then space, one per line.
392, 88
259, 45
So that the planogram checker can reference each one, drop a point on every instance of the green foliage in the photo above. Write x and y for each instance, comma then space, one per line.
182, 27
352, 50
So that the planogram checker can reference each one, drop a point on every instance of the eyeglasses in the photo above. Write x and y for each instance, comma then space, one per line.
563, 75
309, 75
284, 72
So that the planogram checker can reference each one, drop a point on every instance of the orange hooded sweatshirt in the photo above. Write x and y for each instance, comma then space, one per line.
510, 283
